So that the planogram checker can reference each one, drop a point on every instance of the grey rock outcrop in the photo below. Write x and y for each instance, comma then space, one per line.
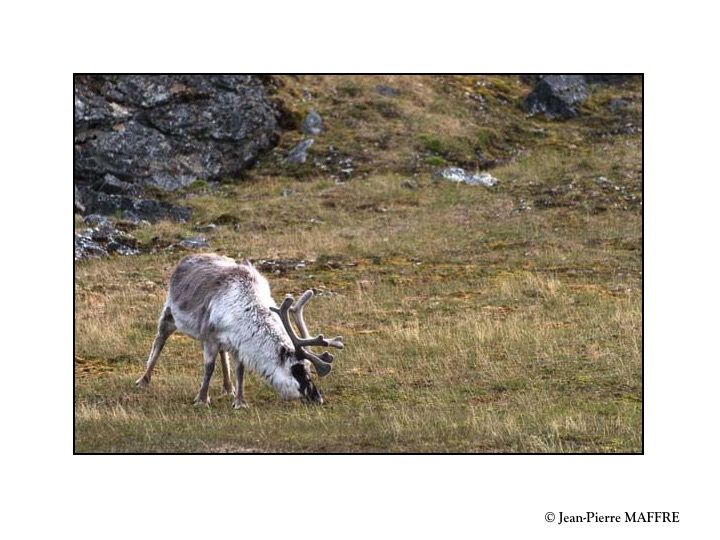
167, 130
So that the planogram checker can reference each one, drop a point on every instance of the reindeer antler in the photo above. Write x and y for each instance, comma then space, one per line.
322, 362
297, 312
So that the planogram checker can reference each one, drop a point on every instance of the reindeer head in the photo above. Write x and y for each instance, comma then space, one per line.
299, 359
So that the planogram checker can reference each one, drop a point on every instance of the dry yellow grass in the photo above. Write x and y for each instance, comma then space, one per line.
445, 352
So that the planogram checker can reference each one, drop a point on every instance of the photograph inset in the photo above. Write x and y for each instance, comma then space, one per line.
379, 263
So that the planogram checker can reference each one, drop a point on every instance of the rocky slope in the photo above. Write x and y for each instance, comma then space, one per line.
145, 144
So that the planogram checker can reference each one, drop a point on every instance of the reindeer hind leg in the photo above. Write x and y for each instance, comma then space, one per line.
239, 401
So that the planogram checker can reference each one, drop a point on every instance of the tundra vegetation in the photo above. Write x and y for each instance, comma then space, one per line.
503, 319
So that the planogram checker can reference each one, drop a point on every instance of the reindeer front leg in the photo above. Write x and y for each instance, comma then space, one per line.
210, 351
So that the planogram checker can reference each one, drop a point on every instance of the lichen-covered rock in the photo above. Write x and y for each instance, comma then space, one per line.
558, 96
87, 248
167, 130
457, 174
482, 179
102, 239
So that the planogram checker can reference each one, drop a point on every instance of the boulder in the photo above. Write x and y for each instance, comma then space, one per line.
167, 130
558, 96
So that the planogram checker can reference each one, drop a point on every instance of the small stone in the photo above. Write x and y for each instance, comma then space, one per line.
617, 105
299, 152
313, 123
387, 91
456, 174
194, 242
410, 183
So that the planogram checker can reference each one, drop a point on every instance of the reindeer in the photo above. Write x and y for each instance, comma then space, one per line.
228, 307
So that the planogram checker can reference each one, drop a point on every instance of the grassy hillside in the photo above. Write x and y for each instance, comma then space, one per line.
476, 320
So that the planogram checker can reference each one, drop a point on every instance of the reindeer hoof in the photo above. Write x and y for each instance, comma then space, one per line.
202, 403
228, 392
142, 382
239, 404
